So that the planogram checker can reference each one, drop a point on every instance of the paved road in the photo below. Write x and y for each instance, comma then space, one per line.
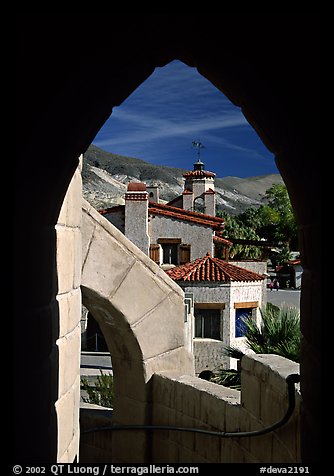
288, 296
93, 362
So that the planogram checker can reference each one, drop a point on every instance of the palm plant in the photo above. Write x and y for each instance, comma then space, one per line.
278, 333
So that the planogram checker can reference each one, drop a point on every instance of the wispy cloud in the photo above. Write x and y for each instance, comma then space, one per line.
141, 128
171, 108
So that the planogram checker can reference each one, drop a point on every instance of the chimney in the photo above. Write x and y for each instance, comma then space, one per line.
188, 200
153, 193
136, 216
210, 202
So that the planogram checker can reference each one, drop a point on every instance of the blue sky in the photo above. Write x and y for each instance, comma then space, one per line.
174, 107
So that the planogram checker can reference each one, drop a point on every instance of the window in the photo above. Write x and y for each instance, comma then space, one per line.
173, 251
170, 254
207, 323
155, 253
240, 315
199, 205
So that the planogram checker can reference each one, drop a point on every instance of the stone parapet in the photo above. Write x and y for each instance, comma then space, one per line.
192, 402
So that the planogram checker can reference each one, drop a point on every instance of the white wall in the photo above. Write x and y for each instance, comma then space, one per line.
199, 237
227, 294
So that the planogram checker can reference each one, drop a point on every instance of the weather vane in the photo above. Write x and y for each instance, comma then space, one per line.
198, 145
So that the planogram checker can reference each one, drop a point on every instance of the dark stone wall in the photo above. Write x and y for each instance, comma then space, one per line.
72, 69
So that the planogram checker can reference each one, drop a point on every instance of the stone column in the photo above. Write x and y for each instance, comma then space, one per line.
68, 263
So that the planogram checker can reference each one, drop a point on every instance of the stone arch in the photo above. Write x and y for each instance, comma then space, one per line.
133, 300
266, 73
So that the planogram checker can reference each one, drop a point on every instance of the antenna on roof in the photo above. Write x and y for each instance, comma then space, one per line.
198, 145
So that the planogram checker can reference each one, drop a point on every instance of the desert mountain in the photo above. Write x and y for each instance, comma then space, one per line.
106, 175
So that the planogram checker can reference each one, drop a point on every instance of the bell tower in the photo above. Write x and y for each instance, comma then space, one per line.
199, 187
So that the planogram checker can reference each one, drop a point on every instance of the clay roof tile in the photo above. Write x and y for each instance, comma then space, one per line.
212, 269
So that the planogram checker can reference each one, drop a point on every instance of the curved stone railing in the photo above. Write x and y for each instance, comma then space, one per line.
140, 311
191, 402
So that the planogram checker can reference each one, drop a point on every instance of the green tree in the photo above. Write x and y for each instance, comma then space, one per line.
277, 219
273, 221
234, 227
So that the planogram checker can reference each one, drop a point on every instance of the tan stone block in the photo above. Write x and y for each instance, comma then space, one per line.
288, 436
130, 446
251, 393
274, 369
70, 212
163, 389
129, 379
234, 416
173, 452
208, 447
261, 370
165, 323
72, 450
187, 456
77, 259
161, 415
140, 293
160, 451
63, 212
131, 412
192, 402
66, 250
74, 201
247, 363
106, 263
249, 458
186, 439
69, 311
69, 360
231, 452
212, 410
65, 410
87, 230
261, 447
174, 361
273, 405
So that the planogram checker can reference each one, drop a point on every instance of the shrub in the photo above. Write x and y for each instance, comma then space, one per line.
278, 333
102, 393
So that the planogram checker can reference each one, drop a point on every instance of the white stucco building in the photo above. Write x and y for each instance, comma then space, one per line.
223, 295
181, 237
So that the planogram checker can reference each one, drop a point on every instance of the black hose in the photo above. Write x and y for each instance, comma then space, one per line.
290, 380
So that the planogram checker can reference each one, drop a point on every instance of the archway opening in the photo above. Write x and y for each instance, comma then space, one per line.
273, 100
124, 130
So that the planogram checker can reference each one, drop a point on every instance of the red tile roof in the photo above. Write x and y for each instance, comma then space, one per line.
223, 241
186, 215
199, 174
215, 223
213, 270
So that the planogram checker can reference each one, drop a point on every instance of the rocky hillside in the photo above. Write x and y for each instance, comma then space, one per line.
106, 175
